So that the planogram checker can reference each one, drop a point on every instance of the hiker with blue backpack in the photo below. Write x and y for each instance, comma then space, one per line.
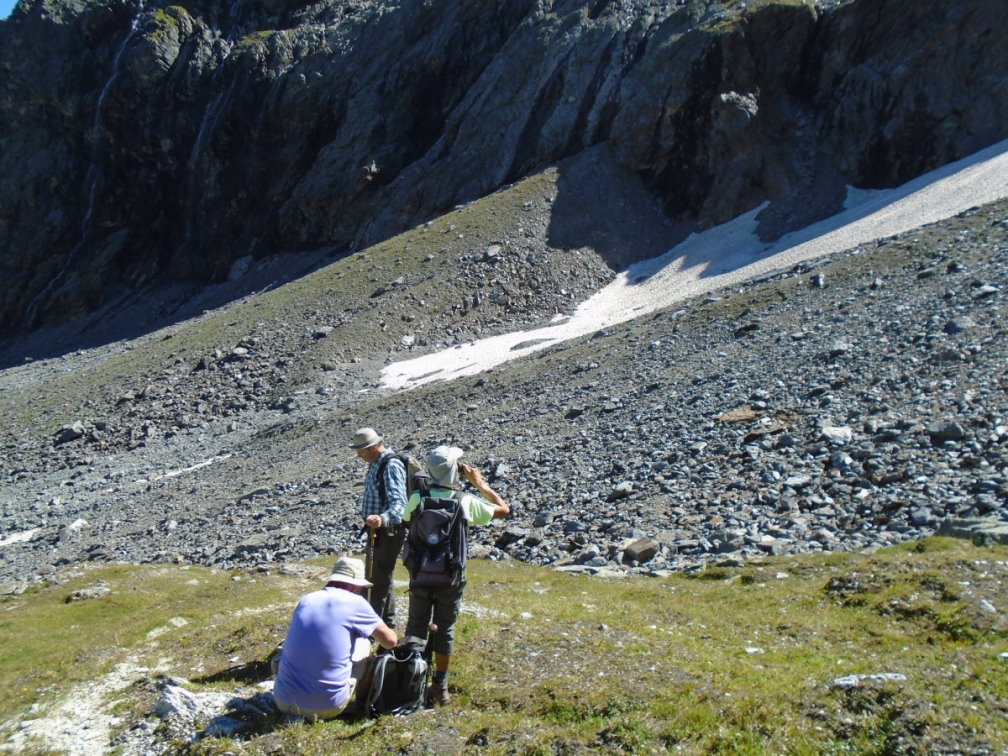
435, 552
382, 506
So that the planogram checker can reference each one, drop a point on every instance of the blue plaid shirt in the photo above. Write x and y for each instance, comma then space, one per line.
395, 491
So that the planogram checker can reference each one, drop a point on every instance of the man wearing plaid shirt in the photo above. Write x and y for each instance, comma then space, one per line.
382, 517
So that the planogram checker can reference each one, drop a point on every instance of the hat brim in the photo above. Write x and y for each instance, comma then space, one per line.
359, 582
358, 447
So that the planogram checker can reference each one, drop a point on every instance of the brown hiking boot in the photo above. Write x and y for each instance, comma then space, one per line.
438, 695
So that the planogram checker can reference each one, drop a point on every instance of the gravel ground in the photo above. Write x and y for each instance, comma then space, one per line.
847, 403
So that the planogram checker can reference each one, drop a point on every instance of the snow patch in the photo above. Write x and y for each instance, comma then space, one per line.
727, 255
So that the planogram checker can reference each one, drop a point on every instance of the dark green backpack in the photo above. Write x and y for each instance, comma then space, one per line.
399, 685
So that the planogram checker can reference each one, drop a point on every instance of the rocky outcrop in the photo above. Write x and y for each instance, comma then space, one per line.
148, 141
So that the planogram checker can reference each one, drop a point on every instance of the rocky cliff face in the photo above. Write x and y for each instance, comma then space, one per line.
142, 141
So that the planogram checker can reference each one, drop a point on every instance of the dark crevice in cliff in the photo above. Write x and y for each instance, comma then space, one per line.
527, 150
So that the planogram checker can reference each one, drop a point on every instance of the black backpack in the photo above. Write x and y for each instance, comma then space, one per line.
399, 685
436, 544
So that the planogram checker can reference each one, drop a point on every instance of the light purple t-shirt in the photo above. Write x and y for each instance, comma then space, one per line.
314, 670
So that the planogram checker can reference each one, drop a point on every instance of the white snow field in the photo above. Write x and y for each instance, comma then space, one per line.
726, 255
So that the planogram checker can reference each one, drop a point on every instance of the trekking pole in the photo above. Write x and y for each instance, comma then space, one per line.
429, 646
372, 540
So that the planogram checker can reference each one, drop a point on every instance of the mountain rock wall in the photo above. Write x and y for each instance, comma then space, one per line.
142, 141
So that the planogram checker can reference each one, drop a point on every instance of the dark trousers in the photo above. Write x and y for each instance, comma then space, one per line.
442, 605
384, 545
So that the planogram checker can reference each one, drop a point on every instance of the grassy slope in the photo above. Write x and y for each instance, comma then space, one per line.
730, 660
420, 270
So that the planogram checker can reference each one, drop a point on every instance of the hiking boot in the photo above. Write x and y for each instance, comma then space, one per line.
437, 695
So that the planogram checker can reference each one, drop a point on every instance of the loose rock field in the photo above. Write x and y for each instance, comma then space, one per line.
845, 404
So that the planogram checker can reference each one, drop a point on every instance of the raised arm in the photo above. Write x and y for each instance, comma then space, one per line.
475, 478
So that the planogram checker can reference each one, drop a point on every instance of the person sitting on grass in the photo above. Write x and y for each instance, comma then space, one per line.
326, 655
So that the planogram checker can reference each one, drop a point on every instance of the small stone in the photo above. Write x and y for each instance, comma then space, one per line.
839, 348
622, 491
641, 550
942, 432
986, 290
838, 435
70, 433
99, 590
959, 325
797, 481
853, 681
74, 528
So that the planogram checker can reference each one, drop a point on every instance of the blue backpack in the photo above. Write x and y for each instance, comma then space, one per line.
436, 546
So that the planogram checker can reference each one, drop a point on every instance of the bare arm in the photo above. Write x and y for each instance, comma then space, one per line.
385, 636
475, 478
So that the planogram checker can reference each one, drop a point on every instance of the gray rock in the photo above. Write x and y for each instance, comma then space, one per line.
622, 491
96, 591
74, 529
960, 325
987, 606
838, 349
797, 481
641, 550
837, 435
978, 530
854, 681
185, 708
942, 432
512, 535
70, 432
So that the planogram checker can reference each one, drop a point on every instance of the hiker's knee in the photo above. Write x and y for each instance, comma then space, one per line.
443, 641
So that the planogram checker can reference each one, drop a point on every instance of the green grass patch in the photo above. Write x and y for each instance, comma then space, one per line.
730, 661
173, 616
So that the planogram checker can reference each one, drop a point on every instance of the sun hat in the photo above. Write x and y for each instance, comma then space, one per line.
350, 571
365, 437
442, 464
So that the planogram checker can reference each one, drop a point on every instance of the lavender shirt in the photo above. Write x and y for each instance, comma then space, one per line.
315, 664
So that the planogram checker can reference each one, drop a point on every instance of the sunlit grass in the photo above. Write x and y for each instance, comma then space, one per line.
738, 660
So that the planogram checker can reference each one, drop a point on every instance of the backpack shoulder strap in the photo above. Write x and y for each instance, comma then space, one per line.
380, 473
377, 681
380, 477
424, 483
